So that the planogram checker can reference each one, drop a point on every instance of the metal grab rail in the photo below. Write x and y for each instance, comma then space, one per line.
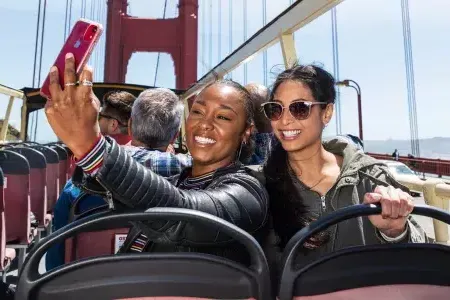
12, 93
436, 193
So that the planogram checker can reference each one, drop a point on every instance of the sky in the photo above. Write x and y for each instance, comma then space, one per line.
370, 41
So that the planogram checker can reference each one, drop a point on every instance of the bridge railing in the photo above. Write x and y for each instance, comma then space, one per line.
436, 193
438, 167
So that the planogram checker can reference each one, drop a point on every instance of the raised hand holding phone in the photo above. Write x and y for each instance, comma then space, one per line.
73, 111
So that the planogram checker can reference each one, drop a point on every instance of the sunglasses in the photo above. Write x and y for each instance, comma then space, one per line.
101, 115
300, 110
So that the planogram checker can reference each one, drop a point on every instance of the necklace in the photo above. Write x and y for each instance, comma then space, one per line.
291, 170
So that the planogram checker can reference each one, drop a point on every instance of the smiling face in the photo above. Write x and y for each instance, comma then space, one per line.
297, 135
216, 126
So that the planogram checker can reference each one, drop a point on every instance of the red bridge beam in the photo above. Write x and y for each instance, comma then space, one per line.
126, 35
423, 165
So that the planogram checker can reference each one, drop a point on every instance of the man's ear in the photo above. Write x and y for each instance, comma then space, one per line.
129, 128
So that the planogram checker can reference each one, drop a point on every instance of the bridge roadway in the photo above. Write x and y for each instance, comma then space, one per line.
425, 222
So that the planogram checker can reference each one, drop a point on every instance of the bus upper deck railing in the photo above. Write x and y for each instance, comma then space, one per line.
13, 94
436, 193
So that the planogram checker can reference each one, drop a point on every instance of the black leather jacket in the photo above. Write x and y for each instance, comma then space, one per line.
234, 195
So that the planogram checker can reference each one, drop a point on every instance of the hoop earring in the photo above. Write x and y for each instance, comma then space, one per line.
240, 150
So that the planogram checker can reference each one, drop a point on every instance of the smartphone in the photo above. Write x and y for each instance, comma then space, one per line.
81, 42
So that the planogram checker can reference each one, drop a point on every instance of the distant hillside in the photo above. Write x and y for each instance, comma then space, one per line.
438, 147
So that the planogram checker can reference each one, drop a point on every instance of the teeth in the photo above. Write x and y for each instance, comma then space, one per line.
204, 140
290, 133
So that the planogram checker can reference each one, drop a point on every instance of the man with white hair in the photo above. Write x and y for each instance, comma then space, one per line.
154, 124
155, 121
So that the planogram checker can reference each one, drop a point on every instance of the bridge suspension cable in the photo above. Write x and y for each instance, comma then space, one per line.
335, 42
219, 31
36, 81
33, 116
245, 37
210, 53
410, 82
265, 50
65, 19
230, 34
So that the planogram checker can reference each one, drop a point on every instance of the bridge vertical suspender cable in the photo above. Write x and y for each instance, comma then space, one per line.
203, 19
40, 61
65, 21
335, 42
413, 84
210, 56
245, 37
33, 83
405, 46
159, 53
264, 3
91, 17
70, 17
219, 31
103, 16
94, 54
410, 78
230, 35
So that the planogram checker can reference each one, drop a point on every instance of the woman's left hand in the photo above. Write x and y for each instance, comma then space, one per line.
396, 205
73, 111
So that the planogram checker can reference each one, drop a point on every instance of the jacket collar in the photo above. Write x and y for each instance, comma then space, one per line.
121, 139
354, 160
232, 168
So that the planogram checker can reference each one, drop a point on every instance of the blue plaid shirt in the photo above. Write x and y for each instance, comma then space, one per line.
162, 163
263, 142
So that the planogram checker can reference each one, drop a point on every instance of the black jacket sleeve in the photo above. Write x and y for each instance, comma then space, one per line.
237, 197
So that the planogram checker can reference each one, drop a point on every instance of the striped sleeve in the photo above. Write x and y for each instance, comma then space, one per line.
93, 160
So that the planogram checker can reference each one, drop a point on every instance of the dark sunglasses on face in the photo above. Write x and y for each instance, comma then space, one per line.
300, 109
101, 115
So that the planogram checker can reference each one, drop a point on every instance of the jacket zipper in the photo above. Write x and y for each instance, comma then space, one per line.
324, 205
109, 198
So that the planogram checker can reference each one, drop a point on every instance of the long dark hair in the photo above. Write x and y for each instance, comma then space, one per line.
287, 206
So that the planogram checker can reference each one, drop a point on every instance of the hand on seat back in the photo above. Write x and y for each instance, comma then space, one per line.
73, 111
396, 205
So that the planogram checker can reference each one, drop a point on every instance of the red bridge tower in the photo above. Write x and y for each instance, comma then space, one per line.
126, 34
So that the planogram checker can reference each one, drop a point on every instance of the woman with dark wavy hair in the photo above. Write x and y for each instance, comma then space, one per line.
218, 135
308, 178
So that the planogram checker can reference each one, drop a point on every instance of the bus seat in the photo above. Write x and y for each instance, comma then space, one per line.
63, 157
95, 243
52, 159
38, 183
402, 271
16, 172
147, 275
6, 254
70, 163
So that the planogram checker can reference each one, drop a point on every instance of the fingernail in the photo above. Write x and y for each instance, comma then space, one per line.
375, 196
53, 69
69, 55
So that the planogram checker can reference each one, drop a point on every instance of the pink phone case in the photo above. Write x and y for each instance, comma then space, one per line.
81, 42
